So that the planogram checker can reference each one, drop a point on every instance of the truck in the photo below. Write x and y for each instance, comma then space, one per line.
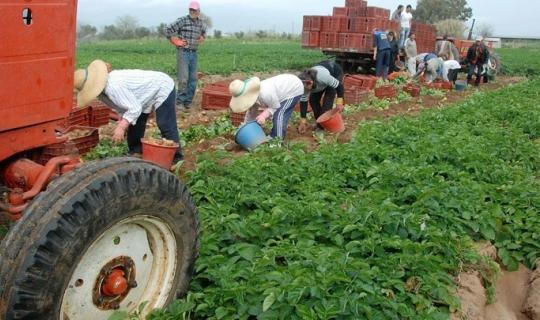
84, 239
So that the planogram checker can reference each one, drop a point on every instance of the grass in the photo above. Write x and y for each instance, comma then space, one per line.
216, 56
520, 61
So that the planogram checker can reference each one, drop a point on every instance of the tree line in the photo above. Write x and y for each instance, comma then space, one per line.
449, 16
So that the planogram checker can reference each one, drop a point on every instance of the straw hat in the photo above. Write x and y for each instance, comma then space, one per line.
244, 94
90, 82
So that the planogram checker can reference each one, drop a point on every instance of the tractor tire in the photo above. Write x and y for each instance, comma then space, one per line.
117, 216
495, 64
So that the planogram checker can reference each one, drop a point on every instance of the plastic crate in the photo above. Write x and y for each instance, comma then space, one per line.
355, 41
310, 39
355, 3
376, 12
312, 23
340, 11
335, 24
77, 117
99, 114
237, 118
365, 25
356, 95
385, 92
329, 40
215, 98
360, 81
413, 90
306, 25
80, 145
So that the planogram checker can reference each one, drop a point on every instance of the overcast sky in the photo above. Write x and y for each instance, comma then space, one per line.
508, 18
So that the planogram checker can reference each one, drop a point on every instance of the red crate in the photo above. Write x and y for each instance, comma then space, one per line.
80, 145
215, 99
356, 95
329, 40
306, 26
340, 11
355, 41
237, 118
335, 24
376, 12
384, 92
99, 114
310, 39
413, 90
355, 3
364, 25
312, 23
360, 81
77, 117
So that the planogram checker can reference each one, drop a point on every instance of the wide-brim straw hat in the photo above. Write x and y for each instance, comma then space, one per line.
244, 94
90, 82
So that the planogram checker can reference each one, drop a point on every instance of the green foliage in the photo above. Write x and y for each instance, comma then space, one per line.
431, 92
430, 11
106, 149
221, 126
216, 56
522, 61
374, 229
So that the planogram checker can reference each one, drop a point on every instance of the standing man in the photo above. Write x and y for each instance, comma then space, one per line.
411, 52
186, 34
381, 52
396, 15
405, 20
477, 56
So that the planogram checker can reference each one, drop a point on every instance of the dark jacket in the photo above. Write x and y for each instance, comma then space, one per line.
472, 54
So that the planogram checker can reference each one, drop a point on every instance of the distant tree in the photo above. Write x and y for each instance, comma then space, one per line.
451, 27
261, 34
218, 34
433, 11
109, 33
126, 26
206, 20
161, 29
142, 32
485, 30
239, 35
86, 31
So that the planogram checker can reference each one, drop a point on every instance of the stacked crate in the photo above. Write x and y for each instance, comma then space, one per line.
216, 96
350, 28
425, 36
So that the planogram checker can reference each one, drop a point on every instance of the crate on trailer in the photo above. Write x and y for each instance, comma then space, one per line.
363, 24
335, 24
355, 3
310, 39
316, 23
376, 12
354, 41
340, 12
329, 40
306, 26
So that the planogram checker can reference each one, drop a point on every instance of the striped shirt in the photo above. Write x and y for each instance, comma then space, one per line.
133, 92
274, 91
188, 29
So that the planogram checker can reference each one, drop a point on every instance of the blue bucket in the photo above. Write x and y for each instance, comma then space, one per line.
460, 85
250, 135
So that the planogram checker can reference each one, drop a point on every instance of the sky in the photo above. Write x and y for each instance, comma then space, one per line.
508, 18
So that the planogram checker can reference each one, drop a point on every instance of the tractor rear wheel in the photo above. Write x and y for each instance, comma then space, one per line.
113, 235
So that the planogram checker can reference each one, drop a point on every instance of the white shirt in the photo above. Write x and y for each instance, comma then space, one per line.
405, 19
133, 92
274, 91
450, 65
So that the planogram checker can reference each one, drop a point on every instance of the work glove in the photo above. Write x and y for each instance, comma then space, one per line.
302, 127
201, 39
339, 104
178, 42
261, 119
120, 131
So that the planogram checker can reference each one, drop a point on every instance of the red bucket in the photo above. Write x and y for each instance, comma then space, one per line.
161, 155
332, 121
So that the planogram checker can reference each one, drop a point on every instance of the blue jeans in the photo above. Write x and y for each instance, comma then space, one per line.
166, 122
187, 75
282, 116
383, 63
403, 35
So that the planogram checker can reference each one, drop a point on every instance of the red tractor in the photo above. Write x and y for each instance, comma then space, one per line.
85, 239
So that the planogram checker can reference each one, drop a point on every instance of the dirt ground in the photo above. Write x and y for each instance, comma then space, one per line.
517, 294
